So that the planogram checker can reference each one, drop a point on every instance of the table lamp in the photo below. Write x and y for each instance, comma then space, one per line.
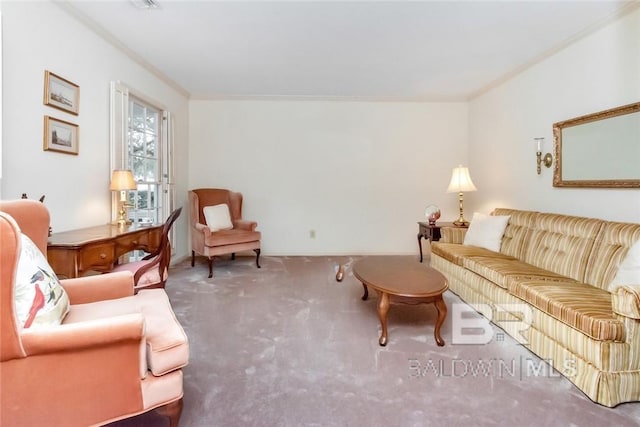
461, 182
122, 181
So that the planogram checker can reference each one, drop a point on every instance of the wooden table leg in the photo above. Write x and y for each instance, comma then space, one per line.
383, 309
442, 314
366, 292
420, 245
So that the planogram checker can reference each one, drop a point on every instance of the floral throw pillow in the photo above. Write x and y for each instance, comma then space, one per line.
40, 300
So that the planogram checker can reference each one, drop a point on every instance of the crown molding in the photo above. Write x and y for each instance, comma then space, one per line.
112, 40
627, 8
323, 98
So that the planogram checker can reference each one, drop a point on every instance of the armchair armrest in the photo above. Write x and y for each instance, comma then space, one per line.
101, 287
245, 225
626, 301
452, 234
88, 334
117, 332
203, 228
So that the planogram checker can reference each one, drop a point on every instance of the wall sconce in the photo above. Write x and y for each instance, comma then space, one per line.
122, 181
547, 160
460, 182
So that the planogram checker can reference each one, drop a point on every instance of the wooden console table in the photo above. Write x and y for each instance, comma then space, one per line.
75, 252
432, 232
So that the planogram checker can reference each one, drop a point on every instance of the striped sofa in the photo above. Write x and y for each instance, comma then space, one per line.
561, 267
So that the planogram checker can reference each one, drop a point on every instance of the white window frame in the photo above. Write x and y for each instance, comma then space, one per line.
119, 140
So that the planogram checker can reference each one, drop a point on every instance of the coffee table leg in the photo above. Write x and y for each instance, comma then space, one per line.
383, 309
442, 314
366, 292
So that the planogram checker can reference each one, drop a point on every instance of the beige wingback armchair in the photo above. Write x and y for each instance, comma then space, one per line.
242, 237
115, 354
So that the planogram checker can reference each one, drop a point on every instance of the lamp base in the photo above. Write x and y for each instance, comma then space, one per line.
461, 223
122, 216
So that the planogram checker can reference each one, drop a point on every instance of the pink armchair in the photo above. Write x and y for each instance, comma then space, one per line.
243, 236
115, 354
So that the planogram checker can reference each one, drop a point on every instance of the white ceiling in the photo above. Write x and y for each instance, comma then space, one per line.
393, 50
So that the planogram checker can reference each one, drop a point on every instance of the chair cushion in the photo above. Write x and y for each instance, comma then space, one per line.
218, 217
231, 237
39, 298
150, 277
167, 345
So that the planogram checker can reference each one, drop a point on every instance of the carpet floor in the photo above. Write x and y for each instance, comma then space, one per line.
287, 345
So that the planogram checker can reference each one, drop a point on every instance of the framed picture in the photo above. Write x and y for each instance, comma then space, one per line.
61, 93
60, 136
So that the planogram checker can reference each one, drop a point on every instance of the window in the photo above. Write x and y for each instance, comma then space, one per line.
142, 141
144, 159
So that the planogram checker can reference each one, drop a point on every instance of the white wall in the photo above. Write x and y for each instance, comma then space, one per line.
39, 36
596, 73
359, 174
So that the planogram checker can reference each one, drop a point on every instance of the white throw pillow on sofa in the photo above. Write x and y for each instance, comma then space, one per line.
218, 217
486, 231
629, 271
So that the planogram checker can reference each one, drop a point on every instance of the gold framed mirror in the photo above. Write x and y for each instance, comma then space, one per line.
599, 150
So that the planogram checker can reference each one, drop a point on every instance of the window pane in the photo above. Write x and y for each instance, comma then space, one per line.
137, 116
137, 143
152, 122
150, 150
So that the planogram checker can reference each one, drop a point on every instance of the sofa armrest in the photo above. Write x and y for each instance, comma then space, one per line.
82, 290
452, 234
626, 301
245, 225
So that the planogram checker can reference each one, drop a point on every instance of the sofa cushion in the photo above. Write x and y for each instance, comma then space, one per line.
502, 271
562, 244
39, 298
579, 305
611, 247
486, 231
515, 235
456, 253
231, 237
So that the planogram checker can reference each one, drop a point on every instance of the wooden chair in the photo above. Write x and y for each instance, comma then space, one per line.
243, 236
152, 271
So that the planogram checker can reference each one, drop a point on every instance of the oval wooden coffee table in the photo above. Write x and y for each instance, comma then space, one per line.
403, 281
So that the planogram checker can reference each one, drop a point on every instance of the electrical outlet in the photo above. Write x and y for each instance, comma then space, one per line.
312, 234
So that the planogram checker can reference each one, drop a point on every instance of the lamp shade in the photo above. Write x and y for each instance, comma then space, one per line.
122, 180
460, 181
